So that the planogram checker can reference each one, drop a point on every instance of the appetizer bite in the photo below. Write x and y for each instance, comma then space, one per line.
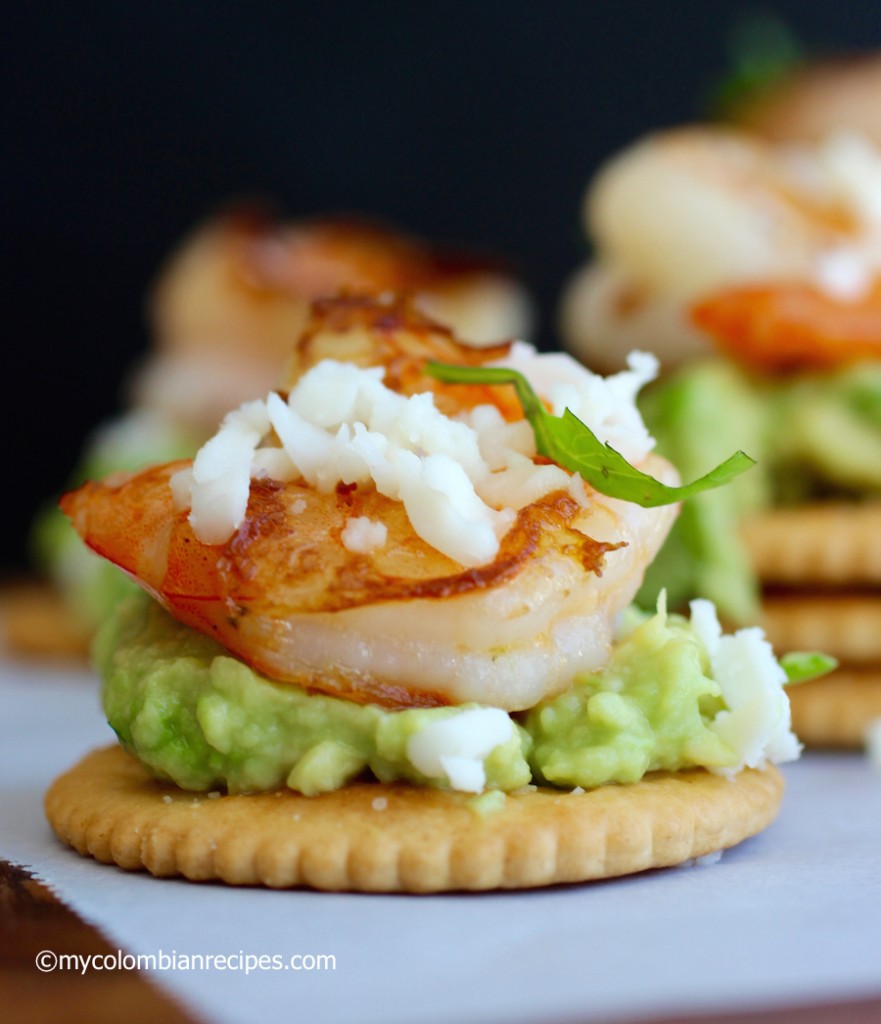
385, 640
223, 314
758, 267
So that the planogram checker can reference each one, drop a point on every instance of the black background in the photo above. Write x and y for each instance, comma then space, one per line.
467, 122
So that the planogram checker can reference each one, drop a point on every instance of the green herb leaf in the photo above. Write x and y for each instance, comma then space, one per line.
573, 445
762, 51
800, 666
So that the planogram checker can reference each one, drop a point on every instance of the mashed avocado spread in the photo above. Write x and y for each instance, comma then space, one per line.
814, 436
200, 717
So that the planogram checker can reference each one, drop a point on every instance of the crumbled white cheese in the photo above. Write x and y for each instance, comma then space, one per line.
362, 535
460, 479
222, 473
272, 464
756, 723
605, 404
454, 748
182, 488
844, 273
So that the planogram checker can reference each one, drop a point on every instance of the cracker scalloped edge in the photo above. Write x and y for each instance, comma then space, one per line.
374, 837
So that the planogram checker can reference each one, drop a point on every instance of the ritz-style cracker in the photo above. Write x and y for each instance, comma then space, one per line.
398, 838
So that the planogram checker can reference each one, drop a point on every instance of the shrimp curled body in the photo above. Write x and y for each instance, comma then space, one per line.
397, 623
401, 626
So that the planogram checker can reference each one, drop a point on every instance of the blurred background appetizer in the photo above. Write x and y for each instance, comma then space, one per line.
756, 268
223, 313
228, 304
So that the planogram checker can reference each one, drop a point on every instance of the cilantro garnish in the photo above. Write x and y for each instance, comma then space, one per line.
573, 445
800, 666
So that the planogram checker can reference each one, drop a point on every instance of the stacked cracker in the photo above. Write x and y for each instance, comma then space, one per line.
821, 571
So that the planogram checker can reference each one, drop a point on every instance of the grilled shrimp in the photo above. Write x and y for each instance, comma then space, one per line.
777, 235
229, 304
399, 622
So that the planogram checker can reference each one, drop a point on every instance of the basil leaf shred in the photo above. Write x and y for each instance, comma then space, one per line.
800, 666
573, 445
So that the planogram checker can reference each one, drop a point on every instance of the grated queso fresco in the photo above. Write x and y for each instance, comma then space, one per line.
461, 479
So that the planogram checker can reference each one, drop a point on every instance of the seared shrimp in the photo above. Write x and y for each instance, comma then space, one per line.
398, 337
392, 618
229, 304
687, 217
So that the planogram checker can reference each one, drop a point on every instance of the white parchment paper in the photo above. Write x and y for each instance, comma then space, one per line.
791, 916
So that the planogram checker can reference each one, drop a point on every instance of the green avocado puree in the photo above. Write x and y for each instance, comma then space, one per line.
200, 717
814, 436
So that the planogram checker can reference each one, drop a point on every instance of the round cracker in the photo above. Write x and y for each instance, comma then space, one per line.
826, 545
845, 625
35, 621
830, 543
835, 711
375, 837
